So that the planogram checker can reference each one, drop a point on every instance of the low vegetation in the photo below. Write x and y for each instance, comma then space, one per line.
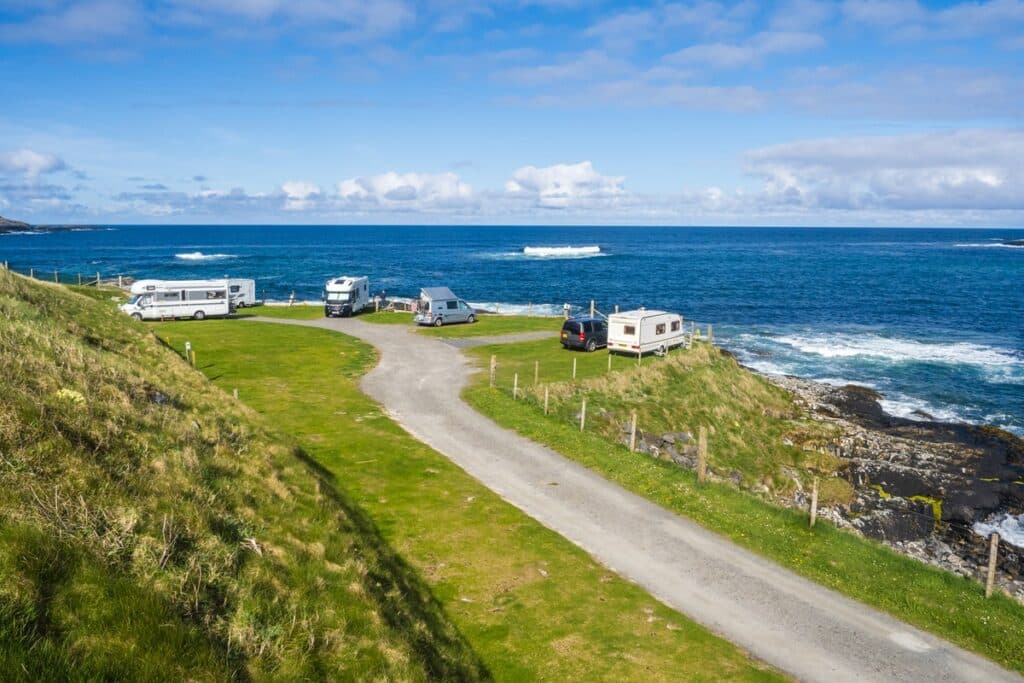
152, 529
747, 420
532, 605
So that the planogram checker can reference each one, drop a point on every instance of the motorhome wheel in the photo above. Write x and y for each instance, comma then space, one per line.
137, 316
198, 315
438, 322
471, 319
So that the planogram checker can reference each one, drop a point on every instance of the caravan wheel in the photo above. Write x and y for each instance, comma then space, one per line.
662, 350
198, 315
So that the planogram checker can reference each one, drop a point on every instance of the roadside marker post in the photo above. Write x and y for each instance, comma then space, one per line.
235, 393
702, 454
515, 386
583, 414
632, 433
545, 400
609, 361
814, 502
188, 351
711, 339
536, 371
56, 277
993, 555
574, 368
79, 279
494, 367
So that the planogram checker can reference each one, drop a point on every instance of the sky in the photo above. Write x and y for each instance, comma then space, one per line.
805, 112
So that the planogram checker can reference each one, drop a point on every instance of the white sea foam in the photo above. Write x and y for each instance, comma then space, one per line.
1009, 527
517, 309
988, 245
562, 252
900, 350
24, 232
910, 408
200, 256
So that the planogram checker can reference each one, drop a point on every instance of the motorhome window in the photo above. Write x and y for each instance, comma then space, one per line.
675, 325
339, 296
168, 296
215, 294
452, 305
235, 289
629, 329
659, 328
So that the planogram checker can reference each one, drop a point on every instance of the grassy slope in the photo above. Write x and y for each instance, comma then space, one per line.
938, 601
533, 605
153, 529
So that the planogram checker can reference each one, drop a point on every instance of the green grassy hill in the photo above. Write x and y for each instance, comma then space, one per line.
153, 528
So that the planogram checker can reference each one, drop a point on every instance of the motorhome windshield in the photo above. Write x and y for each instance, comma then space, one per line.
341, 297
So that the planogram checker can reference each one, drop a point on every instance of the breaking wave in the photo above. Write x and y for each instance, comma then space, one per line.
200, 256
900, 350
1009, 527
989, 245
562, 252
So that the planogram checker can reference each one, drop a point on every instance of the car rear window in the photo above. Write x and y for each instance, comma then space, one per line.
571, 327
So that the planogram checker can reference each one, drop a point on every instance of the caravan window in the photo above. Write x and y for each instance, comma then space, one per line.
629, 330
659, 328
675, 325
163, 297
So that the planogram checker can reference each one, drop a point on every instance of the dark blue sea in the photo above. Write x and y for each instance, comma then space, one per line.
934, 319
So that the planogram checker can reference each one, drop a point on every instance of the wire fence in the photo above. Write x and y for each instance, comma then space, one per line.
92, 279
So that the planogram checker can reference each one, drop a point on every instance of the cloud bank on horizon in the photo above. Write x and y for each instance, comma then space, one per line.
800, 112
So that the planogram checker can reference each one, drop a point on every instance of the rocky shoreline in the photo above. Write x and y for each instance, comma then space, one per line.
8, 226
920, 485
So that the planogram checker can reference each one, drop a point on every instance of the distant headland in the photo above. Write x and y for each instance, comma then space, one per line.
8, 226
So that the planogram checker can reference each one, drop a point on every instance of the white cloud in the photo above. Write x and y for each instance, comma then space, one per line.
588, 65
950, 170
564, 185
299, 195
753, 51
406, 191
30, 163
89, 22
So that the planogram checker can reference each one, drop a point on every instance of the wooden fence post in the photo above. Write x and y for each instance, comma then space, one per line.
814, 502
56, 277
591, 308
616, 308
515, 386
529, 309
609, 361
193, 357
545, 400
702, 454
574, 368
79, 279
97, 278
993, 555
235, 393
711, 339
632, 433
494, 367
31, 273
120, 283
583, 414
536, 372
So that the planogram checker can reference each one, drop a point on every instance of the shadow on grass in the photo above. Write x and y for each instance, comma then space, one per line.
402, 597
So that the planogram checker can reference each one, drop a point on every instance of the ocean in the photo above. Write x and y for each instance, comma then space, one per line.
933, 319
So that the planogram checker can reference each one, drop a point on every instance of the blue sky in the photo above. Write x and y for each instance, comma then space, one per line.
520, 111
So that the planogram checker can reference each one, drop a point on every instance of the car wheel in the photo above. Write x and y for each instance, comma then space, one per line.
438, 322
137, 316
471, 319
198, 315
591, 346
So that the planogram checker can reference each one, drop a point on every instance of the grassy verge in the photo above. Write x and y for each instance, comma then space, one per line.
530, 603
299, 312
153, 529
937, 601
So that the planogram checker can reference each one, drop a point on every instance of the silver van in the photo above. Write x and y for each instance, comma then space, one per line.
439, 306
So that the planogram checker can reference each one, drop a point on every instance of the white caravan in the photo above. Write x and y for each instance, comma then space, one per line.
642, 331
243, 292
157, 299
346, 295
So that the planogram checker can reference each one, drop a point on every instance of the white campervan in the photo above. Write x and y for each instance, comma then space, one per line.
158, 299
642, 331
243, 292
346, 295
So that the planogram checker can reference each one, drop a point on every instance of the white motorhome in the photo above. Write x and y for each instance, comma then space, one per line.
158, 299
243, 292
346, 295
642, 331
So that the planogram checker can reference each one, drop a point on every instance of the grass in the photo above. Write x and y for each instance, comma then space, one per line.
532, 605
485, 325
941, 602
153, 529
755, 433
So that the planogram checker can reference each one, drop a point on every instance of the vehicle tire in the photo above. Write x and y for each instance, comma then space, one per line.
240, 304
662, 351
199, 315
591, 346
137, 316
438, 322
471, 319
